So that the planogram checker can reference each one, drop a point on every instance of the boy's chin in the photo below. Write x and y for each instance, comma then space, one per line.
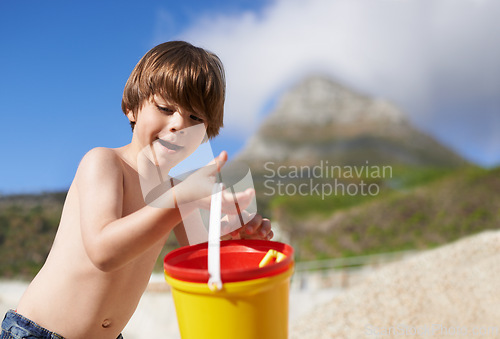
174, 159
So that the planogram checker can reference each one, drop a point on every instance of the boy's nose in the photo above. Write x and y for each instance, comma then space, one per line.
177, 123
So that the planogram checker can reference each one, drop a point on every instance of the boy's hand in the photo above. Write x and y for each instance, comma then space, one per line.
196, 190
257, 228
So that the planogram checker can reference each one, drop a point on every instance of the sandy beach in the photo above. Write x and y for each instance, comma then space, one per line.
155, 316
441, 293
451, 291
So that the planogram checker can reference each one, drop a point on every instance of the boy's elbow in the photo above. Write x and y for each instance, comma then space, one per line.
103, 262
100, 255
104, 265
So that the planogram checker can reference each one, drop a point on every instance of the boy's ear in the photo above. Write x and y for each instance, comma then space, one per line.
130, 116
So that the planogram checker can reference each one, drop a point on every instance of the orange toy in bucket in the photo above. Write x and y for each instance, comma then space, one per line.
253, 301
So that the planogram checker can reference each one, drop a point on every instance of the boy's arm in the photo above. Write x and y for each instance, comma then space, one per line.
181, 235
111, 238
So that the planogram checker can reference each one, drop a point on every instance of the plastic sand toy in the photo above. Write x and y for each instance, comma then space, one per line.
230, 289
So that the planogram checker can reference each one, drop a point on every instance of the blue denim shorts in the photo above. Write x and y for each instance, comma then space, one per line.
15, 326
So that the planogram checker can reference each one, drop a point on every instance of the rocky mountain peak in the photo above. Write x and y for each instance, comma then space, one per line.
318, 100
320, 119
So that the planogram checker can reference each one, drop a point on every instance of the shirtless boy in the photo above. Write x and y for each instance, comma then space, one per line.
108, 238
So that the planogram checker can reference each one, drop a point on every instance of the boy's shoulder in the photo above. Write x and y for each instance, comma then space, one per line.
101, 155
99, 161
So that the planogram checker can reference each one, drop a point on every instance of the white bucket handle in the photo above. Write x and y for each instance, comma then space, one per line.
214, 281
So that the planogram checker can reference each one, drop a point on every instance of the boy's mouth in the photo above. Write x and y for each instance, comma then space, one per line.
170, 146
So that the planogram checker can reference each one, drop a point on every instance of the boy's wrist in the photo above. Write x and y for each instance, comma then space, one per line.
186, 197
174, 197
180, 195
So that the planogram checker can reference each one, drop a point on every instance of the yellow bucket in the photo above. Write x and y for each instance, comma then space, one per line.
253, 302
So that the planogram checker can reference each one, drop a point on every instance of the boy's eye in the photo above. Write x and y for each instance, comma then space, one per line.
168, 110
195, 118
165, 109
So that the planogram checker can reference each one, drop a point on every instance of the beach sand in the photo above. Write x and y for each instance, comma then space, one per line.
155, 315
446, 292
451, 291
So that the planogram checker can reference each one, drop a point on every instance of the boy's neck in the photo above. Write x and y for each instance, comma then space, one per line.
129, 155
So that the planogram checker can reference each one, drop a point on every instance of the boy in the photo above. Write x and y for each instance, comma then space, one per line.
108, 238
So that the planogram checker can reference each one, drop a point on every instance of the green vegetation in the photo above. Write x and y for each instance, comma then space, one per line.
28, 224
415, 209
403, 178
303, 207
416, 216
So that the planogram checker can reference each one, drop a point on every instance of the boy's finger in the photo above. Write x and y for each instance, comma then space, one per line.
230, 207
265, 228
235, 232
221, 160
240, 199
270, 235
253, 225
216, 164
244, 199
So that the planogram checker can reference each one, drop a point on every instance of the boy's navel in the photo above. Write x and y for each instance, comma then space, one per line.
106, 323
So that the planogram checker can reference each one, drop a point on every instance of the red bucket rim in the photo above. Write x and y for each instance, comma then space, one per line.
172, 259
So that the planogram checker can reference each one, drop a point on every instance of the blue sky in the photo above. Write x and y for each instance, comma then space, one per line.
64, 65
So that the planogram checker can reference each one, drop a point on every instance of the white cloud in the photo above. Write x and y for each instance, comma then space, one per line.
413, 52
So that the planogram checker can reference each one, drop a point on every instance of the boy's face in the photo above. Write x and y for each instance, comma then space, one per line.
171, 133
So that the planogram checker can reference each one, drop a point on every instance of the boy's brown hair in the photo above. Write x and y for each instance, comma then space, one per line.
181, 73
